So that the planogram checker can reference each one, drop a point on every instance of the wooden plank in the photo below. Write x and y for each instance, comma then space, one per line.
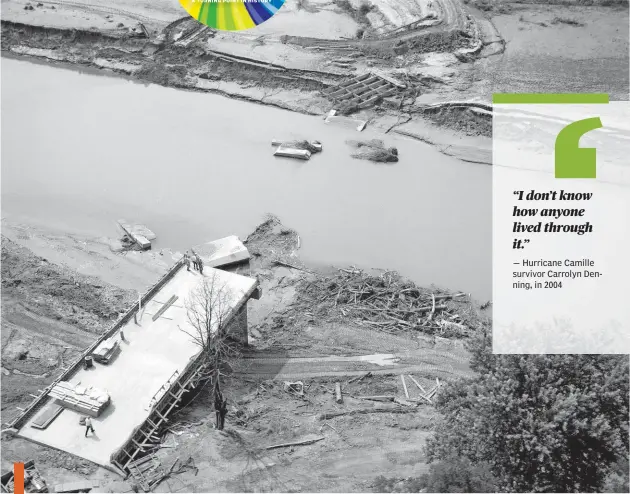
419, 385
377, 398
76, 486
388, 79
140, 461
402, 378
353, 85
144, 29
165, 307
308, 440
45, 418
339, 398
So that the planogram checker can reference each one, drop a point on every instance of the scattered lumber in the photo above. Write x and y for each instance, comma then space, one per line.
418, 384
360, 411
432, 392
338, 397
386, 302
426, 399
360, 378
90, 401
287, 265
307, 440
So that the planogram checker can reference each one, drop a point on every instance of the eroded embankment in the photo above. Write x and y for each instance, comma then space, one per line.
49, 314
190, 67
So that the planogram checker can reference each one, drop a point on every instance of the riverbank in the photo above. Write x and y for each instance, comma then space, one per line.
282, 346
284, 74
200, 69
154, 154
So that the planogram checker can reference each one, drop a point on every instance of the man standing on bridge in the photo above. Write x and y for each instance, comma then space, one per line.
88, 426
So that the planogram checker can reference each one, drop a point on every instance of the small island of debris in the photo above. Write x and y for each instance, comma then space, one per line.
374, 150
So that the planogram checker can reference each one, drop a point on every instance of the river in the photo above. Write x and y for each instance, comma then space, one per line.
82, 150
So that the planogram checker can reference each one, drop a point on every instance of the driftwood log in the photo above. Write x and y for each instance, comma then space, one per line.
360, 411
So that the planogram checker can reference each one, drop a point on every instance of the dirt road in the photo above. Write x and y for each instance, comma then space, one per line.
423, 362
451, 18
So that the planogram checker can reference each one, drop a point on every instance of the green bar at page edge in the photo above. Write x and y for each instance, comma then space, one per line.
549, 98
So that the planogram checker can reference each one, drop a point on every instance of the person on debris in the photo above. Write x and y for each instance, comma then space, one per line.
199, 263
223, 412
88, 426
194, 260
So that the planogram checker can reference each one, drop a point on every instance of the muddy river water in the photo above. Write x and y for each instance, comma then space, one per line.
80, 151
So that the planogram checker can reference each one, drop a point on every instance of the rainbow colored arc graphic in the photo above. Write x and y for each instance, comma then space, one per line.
232, 15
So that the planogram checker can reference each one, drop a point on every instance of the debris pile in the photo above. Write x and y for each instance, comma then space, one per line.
33, 480
386, 302
272, 242
148, 471
374, 150
301, 149
136, 236
313, 147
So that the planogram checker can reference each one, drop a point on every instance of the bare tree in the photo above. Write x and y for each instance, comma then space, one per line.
208, 308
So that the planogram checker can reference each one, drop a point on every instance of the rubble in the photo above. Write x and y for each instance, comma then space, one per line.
296, 388
33, 481
312, 146
374, 150
137, 234
386, 302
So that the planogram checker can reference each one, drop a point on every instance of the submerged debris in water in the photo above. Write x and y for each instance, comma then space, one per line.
374, 150
313, 147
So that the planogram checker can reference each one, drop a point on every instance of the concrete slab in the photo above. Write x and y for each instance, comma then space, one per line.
227, 250
287, 152
347, 122
151, 353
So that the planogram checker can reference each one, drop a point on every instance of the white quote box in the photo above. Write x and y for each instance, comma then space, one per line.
583, 305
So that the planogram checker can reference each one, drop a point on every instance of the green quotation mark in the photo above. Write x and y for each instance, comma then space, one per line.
572, 161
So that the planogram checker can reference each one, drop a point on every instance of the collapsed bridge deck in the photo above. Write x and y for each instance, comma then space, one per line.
156, 365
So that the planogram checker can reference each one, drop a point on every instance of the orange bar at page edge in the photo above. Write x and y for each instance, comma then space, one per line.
18, 478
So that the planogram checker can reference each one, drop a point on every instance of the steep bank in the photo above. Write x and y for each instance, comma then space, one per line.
49, 314
192, 68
